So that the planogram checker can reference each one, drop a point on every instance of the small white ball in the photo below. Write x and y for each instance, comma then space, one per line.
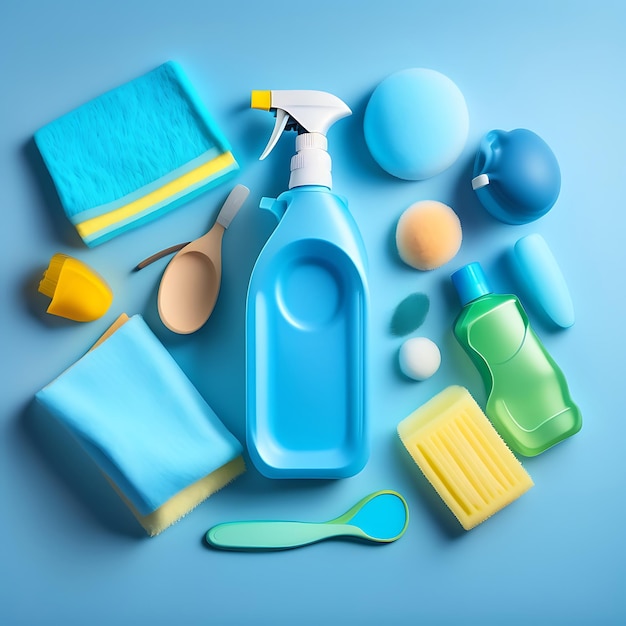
419, 358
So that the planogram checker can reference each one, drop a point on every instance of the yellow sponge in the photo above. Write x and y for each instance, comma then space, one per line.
78, 293
463, 457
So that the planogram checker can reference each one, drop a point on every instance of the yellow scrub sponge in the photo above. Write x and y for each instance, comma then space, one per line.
463, 457
428, 235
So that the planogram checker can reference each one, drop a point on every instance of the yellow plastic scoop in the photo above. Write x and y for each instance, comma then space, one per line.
191, 282
76, 291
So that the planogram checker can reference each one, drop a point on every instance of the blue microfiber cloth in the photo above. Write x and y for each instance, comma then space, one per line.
145, 425
129, 155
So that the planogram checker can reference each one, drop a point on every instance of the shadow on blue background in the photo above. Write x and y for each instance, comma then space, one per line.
76, 471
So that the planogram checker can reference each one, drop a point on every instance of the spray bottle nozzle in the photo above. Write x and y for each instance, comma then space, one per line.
311, 113
261, 100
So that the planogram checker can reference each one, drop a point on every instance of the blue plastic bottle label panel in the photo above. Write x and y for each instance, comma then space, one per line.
305, 379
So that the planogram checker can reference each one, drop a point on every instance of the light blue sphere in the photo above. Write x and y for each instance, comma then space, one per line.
416, 123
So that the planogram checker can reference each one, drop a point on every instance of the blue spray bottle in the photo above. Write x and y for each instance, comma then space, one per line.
307, 311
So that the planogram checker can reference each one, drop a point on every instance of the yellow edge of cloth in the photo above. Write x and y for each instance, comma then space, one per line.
88, 227
186, 500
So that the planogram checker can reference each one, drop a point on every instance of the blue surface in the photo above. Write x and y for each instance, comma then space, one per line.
71, 551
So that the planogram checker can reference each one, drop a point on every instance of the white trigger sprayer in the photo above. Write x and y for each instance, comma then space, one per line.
311, 113
308, 294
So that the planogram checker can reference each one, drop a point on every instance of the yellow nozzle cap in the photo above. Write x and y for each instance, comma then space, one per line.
261, 100
78, 293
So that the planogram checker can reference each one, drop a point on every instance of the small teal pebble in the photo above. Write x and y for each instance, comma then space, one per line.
416, 123
410, 314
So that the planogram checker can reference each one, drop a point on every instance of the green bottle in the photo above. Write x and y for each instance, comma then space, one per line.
528, 400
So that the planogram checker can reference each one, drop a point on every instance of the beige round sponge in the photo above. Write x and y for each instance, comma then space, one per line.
428, 235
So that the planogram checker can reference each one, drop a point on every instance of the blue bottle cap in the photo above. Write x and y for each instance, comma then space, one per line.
470, 283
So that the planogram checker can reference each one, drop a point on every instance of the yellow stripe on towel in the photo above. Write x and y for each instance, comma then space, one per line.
95, 224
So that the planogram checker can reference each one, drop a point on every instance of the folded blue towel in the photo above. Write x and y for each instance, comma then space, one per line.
129, 155
142, 421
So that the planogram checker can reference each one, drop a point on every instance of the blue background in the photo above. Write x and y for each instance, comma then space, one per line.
71, 551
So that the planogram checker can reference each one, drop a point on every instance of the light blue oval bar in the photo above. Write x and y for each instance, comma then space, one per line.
544, 280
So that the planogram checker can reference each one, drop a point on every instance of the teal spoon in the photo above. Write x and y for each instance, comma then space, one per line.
381, 517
